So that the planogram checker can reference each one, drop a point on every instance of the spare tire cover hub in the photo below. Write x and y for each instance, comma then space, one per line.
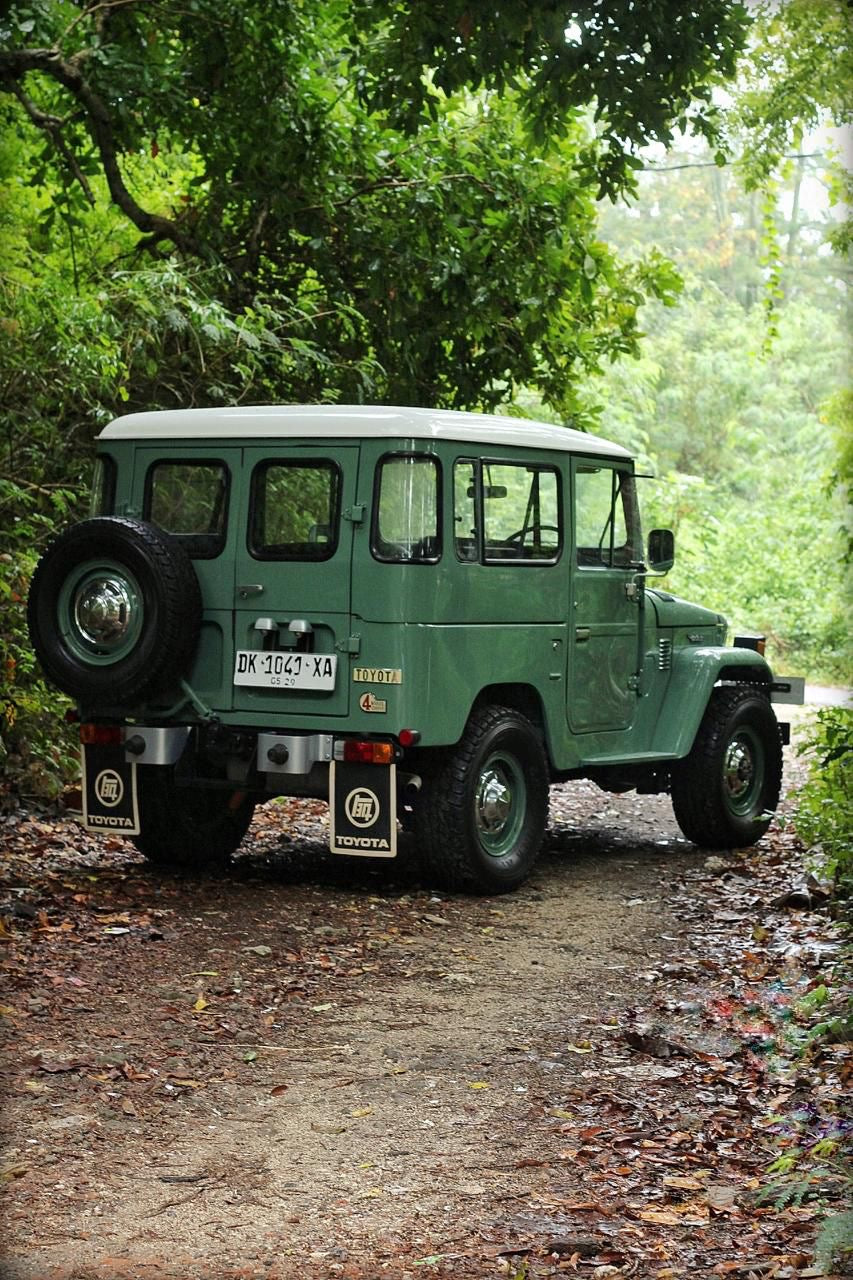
103, 609
100, 611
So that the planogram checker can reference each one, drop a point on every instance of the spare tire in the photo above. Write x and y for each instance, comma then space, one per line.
114, 611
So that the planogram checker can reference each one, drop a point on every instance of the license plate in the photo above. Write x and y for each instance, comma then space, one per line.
261, 670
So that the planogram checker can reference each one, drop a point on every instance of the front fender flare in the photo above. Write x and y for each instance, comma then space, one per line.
694, 674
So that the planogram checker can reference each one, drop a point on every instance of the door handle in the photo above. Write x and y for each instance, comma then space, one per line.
247, 589
581, 634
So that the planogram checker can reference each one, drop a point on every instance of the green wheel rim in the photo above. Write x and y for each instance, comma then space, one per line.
743, 772
100, 613
500, 804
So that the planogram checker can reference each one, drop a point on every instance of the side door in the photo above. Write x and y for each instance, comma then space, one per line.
604, 636
291, 595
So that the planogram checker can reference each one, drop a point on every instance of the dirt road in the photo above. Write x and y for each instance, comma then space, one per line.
318, 1068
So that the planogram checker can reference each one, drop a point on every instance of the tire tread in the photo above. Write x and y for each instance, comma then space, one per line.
695, 801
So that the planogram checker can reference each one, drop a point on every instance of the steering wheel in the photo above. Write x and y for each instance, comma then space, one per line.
519, 536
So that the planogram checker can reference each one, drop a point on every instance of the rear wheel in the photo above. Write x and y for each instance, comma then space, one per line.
725, 792
482, 811
191, 828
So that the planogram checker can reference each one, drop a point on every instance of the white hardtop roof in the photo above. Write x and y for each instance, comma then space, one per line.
293, 422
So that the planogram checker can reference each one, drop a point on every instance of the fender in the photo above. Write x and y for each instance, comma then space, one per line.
694, 674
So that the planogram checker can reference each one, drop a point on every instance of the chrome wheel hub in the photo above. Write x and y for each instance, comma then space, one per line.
738, 770
102, 611
494, 801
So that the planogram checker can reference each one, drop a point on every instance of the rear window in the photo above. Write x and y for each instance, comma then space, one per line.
295, 511
102, 498
406, 526
190, 501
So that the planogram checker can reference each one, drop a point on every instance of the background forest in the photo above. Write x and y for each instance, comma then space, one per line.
632, 220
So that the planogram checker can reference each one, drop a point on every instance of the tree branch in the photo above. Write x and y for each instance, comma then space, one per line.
52, 126
16, 64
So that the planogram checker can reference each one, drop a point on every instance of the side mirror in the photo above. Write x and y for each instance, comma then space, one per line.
661, 553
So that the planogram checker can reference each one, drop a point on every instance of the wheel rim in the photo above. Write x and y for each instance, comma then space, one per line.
743, 772
100, 612
500, 804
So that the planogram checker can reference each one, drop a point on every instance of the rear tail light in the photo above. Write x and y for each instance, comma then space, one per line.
356, 751
101, 735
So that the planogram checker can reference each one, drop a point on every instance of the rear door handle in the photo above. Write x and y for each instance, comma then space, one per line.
582, 633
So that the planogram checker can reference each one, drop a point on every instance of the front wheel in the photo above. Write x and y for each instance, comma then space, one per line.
725, 792
185, 827
482, 812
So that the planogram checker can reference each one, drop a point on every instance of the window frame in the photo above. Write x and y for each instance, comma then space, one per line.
618, 475
260, 469
199, 546
418, 455
526, 464
105, 465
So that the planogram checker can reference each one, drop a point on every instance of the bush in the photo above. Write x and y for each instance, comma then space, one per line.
824, 806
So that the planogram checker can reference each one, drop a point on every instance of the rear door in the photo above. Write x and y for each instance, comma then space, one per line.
188, 492
292, 588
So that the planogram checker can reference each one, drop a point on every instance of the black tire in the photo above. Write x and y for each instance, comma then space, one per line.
725, 792
482, 812
188, 828
114, 611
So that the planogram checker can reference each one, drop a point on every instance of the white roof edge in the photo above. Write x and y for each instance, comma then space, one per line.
265, 422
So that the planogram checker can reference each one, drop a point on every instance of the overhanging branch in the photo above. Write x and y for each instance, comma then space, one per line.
16, 64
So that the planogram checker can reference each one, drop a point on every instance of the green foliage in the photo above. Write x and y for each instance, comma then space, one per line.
645, 68
835, 1239
824, 813
735, 434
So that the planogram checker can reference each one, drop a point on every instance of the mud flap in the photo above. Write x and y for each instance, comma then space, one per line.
110, 801
363, 809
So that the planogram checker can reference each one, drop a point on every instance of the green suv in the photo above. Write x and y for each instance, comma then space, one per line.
425, 617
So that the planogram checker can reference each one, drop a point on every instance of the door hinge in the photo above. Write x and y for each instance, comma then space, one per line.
634, 682
352, 645
632, 590
355, 513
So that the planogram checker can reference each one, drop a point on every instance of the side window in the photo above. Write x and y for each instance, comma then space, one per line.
102, 500
607, 526
465, 510
190, 501
295, 510
521, 512
406, 527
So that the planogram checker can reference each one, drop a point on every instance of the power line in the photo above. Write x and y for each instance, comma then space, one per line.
712, 164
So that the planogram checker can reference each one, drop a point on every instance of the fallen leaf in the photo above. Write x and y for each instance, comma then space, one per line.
479, 1084
200, 1005
278, 1090
361, 1111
